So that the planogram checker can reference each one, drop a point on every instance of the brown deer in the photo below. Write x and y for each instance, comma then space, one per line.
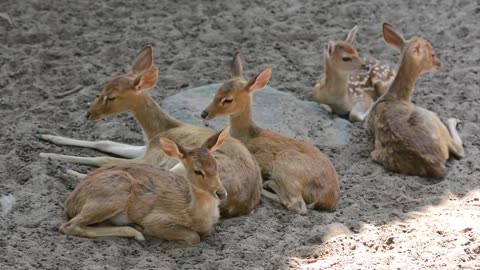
159, 203
410, 139
238, 169
300, 174
350, 85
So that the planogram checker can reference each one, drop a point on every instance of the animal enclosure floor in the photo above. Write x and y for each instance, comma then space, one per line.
383, 221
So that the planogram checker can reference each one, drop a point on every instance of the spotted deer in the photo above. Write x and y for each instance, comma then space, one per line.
410, 139
238, 169
350, 85
300, 174
158, 203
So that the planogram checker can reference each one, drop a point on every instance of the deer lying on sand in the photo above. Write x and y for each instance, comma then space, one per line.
410, 139
300, 174
350, 86
159, 203
238, 169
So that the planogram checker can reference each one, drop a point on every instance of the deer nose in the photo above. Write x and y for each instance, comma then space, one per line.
204, 114
221, 194
366, 67
88, 115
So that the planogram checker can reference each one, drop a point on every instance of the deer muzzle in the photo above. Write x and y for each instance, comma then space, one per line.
221, 194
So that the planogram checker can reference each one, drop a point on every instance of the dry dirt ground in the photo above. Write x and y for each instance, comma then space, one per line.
393, 221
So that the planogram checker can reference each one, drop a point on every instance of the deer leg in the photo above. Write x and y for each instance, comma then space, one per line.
91, 161
97, 212
272, 196
284, 195
94, 232
271, 185
456, 145
175, 233
326, 108
377, 156
297, 205
119, 149
377, 153
290, 179
359, 111
75, 174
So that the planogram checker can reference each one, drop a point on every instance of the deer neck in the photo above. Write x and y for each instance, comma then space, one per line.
242, 126
202, 204
196, 195
336, 82
404, 83
151, 117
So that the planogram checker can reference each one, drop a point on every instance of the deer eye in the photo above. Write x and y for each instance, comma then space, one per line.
227, 101
346, 59
198, 172
106, 99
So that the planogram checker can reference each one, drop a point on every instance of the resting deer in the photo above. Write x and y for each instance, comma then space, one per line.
410, 139
238, 169
300, 174
350, 86
159, 203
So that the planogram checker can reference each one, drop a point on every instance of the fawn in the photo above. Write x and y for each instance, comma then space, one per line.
159, 203
349, 85
238, 169
410, 139
300, 174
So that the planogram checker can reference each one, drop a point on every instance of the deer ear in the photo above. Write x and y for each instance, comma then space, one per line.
417, 48
171, 148
260, 81
236, 69
351, 35
143, 61
392, 37
147, 80
330, 48
215, 141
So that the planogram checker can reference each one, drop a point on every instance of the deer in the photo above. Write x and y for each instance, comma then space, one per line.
409, 139
349, 84
298, 173
238, 169
133, 200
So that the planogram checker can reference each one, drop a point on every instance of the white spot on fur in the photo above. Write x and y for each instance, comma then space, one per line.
359, 82
8, 202
366, 89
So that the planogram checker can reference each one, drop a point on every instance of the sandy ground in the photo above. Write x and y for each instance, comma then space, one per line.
384, 220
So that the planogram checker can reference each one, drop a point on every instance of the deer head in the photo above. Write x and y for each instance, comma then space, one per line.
342, 55
417, 50
119, 94
234, 95
199, 163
